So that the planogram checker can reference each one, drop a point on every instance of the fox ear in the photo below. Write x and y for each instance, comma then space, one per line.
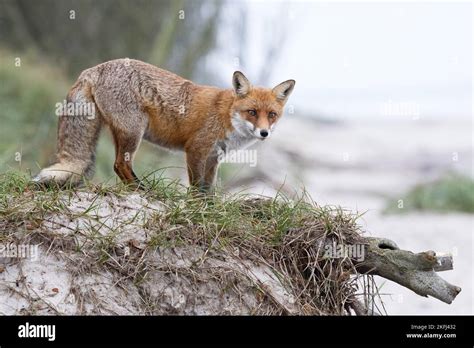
241, 84
284, 89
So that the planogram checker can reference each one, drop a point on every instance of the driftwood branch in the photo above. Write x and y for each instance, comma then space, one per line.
416, 272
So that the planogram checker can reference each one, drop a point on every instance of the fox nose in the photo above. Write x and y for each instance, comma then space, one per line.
264, 133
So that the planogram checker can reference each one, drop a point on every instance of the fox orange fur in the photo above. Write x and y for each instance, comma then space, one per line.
139, 101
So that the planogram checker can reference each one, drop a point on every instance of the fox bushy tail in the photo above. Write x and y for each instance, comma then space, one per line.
78, 131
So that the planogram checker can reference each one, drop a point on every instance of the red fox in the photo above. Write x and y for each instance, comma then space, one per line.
137, 100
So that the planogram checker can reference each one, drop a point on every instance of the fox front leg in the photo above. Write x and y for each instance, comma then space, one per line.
196, 163
210, 171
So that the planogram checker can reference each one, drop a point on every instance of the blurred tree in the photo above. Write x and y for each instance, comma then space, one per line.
57, 39
77, 34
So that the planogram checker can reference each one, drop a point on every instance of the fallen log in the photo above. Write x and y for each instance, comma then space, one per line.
416, 272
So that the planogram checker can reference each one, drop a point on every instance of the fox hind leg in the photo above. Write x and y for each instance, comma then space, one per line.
126, 145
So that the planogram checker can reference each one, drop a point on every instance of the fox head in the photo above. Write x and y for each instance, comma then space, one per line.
256, 110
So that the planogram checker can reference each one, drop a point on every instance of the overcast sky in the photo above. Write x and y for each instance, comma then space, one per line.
349, 58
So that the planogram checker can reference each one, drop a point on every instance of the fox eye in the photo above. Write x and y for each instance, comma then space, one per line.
252, 112
272, 114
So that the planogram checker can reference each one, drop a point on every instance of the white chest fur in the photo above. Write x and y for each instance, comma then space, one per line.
241, 137
237, 141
